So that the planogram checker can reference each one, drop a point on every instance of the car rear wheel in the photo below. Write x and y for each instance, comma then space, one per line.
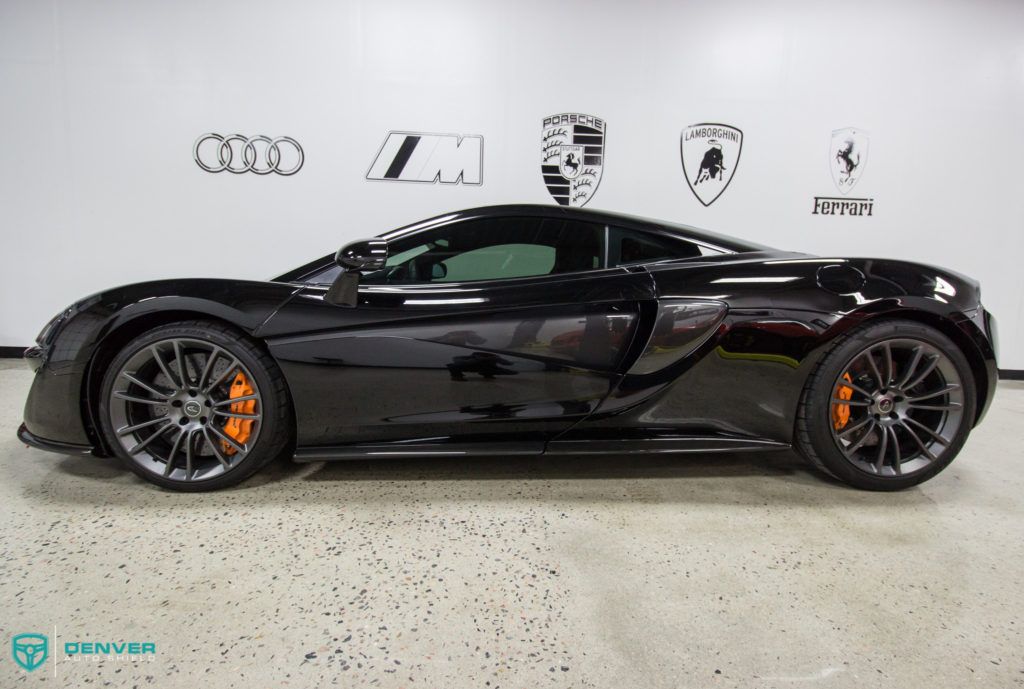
890, 406
194, 406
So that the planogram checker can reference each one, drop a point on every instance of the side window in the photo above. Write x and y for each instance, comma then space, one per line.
499, 261
631, 246
493, 249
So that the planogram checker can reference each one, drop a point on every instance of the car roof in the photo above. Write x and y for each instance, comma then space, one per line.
583, 215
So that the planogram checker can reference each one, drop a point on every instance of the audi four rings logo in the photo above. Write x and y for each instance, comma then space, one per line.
238, 153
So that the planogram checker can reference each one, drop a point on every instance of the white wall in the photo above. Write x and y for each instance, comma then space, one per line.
102, 101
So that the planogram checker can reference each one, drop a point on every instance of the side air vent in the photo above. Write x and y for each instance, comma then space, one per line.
681, 327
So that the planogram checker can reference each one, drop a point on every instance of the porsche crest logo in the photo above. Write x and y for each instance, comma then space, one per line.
710, 154
848, 155
572, 157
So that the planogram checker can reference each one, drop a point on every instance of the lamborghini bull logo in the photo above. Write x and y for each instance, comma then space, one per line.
572, 157
711, 166
710, 154
30, 650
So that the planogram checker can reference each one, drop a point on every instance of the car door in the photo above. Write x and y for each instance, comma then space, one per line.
489, 327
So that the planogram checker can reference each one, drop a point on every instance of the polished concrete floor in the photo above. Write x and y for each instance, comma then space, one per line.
729, 571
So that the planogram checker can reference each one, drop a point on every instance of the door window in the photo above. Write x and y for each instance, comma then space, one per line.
493, 249
516, 247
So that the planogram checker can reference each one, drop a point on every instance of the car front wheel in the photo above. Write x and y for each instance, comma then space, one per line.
194, 406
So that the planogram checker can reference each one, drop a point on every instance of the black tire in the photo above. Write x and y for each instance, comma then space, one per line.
275, 422
818, 430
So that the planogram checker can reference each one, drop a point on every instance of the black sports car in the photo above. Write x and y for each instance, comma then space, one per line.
524, 330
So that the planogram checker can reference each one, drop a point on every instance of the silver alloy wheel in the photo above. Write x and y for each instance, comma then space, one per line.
896, 407
169, 406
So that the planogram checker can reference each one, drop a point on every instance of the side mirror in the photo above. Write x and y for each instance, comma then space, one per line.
361, 256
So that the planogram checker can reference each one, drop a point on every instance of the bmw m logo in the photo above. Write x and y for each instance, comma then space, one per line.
430, 158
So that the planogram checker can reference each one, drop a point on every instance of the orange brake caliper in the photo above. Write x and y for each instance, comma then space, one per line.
840, 412
239, 429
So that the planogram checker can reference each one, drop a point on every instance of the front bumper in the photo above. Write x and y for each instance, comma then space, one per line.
986, 337
27, 437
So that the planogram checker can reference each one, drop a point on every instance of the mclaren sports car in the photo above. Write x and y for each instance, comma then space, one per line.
524, 330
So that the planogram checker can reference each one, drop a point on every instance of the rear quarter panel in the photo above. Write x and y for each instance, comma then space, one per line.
748, 378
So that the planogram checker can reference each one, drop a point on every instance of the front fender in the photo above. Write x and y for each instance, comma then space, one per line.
56, 409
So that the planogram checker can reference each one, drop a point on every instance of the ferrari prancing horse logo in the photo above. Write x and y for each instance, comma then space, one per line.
848, 156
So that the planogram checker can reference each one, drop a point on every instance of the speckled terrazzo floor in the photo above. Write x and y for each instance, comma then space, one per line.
619, 572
